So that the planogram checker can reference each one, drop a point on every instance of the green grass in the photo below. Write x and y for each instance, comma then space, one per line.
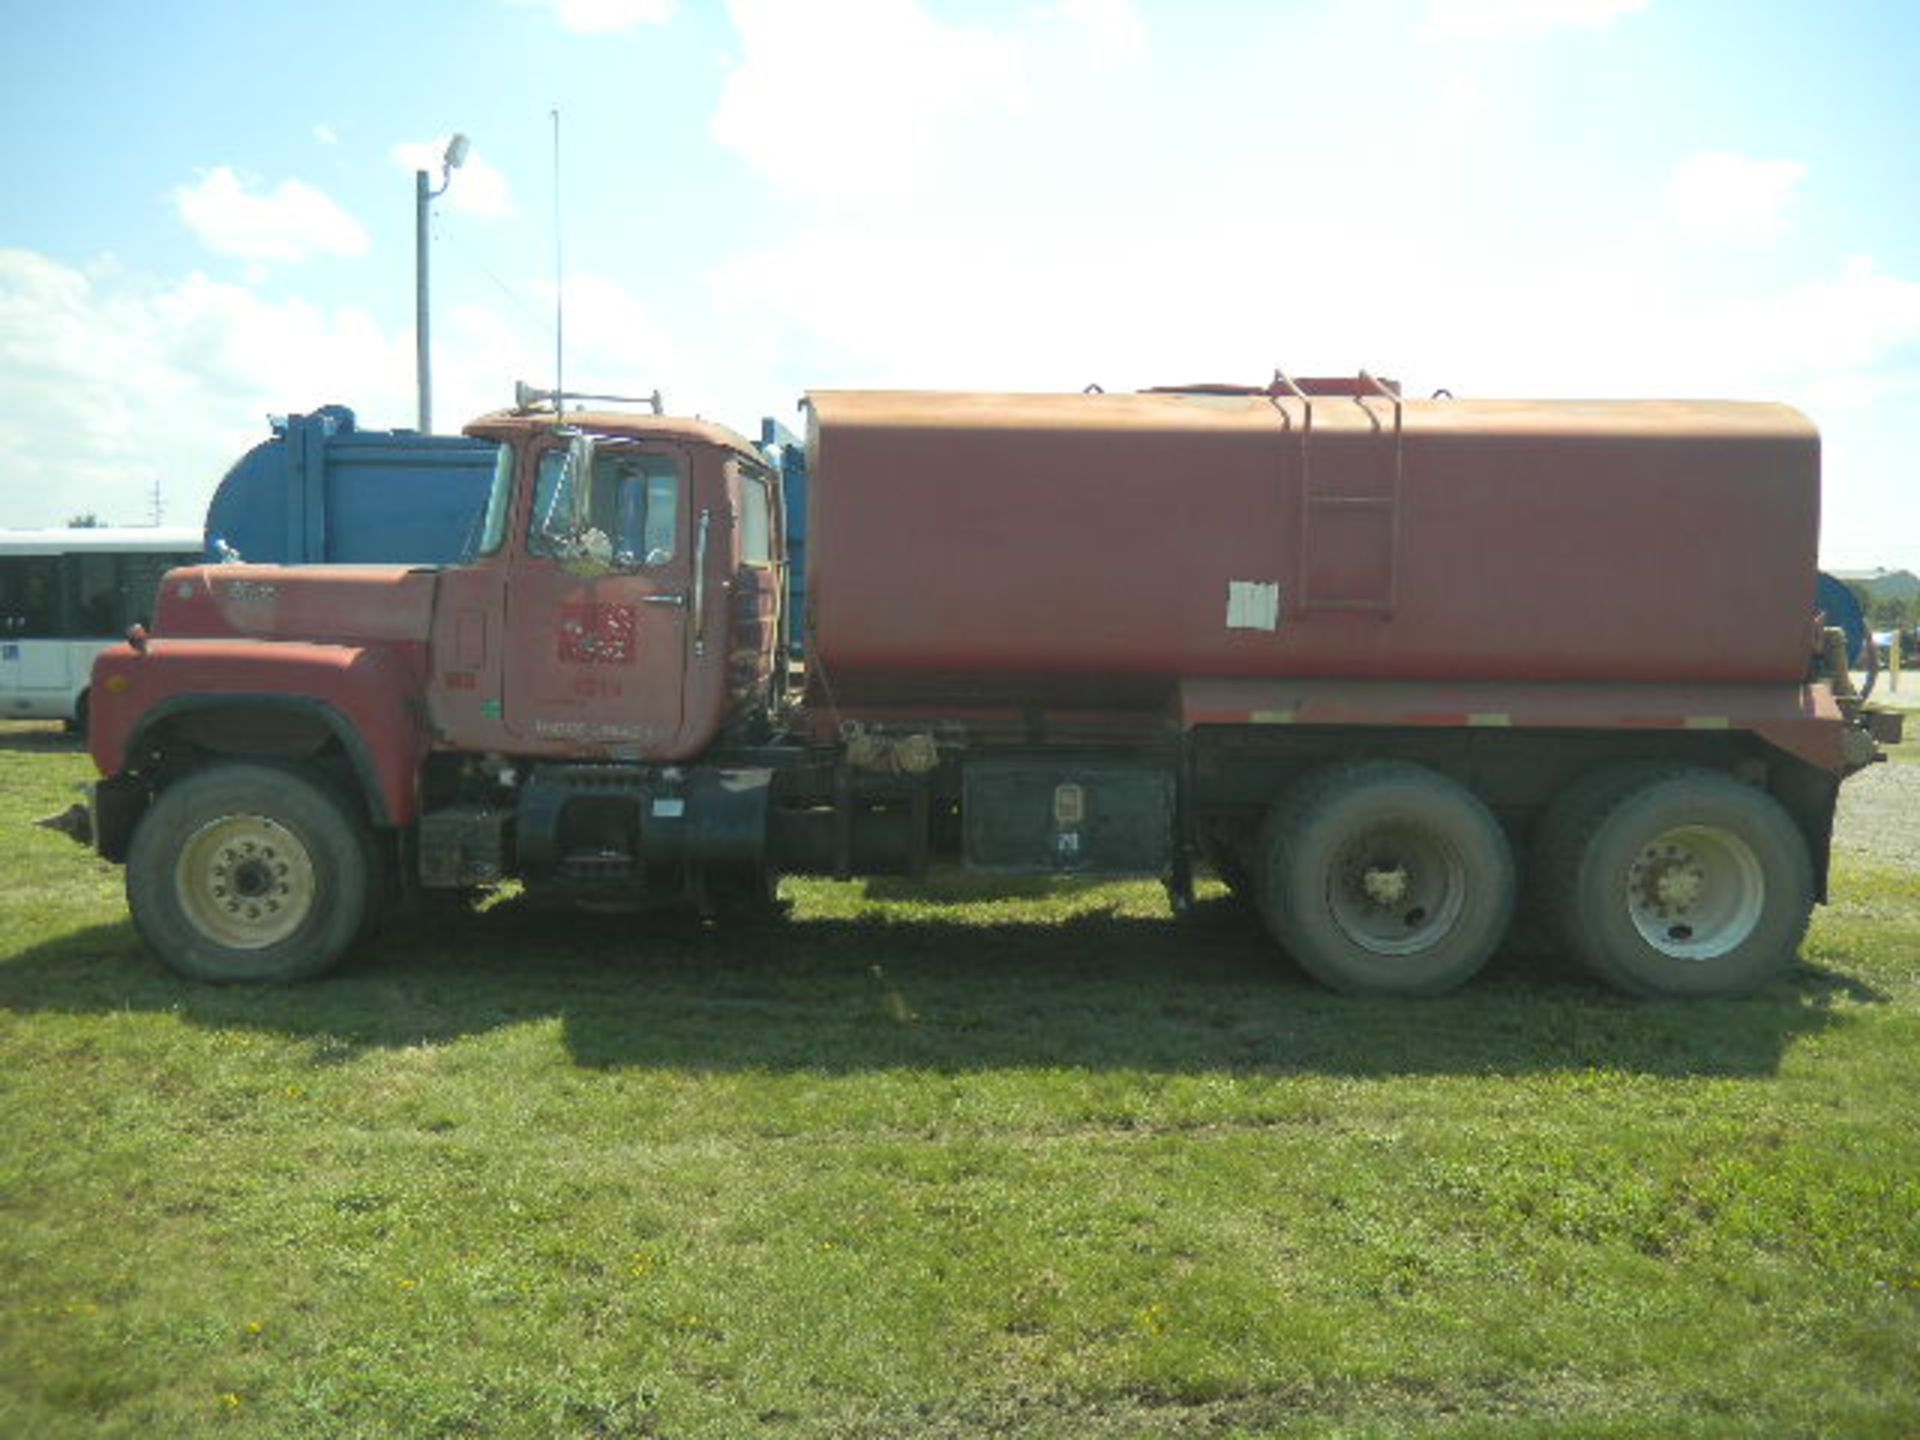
1039, 1162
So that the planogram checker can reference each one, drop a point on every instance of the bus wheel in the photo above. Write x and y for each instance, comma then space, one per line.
1385, 878
245, 872
1684, 884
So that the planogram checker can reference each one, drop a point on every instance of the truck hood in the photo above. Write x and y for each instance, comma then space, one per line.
323, 603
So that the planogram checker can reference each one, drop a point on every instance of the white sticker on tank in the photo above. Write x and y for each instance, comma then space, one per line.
1253, 605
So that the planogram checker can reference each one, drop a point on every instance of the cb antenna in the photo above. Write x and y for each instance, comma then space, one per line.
559, 275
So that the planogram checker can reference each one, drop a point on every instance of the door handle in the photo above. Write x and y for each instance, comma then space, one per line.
673, 599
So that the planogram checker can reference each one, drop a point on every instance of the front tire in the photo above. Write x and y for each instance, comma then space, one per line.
245, 873
1679, 884
1385, 878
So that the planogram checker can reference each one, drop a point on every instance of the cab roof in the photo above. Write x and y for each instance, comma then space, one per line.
626, 424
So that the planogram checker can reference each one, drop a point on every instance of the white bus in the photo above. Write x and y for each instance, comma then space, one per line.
66, 595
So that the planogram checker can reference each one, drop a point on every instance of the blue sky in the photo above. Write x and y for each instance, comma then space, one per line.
208, 212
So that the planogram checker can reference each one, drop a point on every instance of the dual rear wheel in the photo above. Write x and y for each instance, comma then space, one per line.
1385, 877
1671, 881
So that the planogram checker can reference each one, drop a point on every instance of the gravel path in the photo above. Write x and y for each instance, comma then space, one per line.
1879, 814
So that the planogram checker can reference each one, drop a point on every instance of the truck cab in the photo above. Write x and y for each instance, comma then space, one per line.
625, 602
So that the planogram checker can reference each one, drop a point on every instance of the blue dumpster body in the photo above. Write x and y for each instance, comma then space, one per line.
322, 491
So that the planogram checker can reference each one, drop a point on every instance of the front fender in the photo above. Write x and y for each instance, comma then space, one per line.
366, 697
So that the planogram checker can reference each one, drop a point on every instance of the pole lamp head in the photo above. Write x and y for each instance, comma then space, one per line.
455, 154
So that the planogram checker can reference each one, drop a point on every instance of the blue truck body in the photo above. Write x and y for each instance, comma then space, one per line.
322, 491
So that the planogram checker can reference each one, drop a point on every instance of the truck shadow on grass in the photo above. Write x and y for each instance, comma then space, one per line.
39, 738
1093, 991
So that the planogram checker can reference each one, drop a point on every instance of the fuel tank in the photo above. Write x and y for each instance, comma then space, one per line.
1097, 549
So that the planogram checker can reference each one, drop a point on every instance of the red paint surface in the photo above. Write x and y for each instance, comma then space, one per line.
1802, 720
1078, 549
373, 690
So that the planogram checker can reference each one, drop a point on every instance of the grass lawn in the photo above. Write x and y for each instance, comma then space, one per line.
1044, 1163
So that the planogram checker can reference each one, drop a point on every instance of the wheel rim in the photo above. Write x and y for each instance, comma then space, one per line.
1397, 890
244, 881
1695, 892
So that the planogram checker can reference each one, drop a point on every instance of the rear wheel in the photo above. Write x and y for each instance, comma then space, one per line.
1385, 878
1678, 883
244, 872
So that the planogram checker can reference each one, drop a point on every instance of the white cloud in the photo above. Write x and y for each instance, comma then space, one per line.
115, 383
1720, 198
1485, 19
1844, 326
602, 17
616, 345
1113, 31
326, 135
476, 188
850, 97
291, 223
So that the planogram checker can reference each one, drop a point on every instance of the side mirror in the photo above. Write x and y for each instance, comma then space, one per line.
580, 473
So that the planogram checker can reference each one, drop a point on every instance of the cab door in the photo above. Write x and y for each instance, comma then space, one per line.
598, 607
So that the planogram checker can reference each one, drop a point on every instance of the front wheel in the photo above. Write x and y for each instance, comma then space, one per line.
244, 872
1680, 884
1385, 878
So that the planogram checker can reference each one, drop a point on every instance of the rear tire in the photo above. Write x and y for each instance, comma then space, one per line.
1385, 878
1677, 883
246, 872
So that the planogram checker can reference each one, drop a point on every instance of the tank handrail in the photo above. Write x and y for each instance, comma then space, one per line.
1280, 377
1385, 392
1393, 503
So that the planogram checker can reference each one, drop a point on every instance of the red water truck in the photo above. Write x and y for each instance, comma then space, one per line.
1392, 669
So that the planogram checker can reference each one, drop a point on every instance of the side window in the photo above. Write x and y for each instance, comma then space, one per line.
662, 529
96, 597
29, 598
636, 502
756, 521
628, 517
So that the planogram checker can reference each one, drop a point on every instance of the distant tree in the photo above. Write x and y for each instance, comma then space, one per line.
88, 521
1892, 614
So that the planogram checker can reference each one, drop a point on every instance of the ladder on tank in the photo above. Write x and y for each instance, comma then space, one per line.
1361, 527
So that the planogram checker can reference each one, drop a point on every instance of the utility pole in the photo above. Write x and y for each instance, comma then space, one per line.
451, 159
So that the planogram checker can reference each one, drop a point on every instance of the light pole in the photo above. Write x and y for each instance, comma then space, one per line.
451, 159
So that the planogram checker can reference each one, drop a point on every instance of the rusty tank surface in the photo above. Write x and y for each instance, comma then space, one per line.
1105, 547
